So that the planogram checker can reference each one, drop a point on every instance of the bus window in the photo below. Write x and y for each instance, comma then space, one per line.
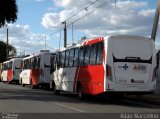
10, 65
53, 63
81, 57
39, 60
86, 55
71, 57
76, 53
93, 54
25, 64
4, 67
28, 64
67, 59
58, 60
99, 58
62, 58
31, 62
35, 62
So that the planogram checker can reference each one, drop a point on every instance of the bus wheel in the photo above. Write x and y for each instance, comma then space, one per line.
9, 82
54, 89
81, 95
57, 92
23, 85
33, 86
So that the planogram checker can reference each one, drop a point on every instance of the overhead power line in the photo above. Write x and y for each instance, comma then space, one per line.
42, 38
99, 6
71, 23
82, 10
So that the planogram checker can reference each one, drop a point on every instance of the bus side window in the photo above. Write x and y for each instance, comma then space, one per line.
29, 64
39, 60
58, 60
99, 58
62, 58
53, 63
24, 64
81, 57
86, 55
10, 65
71, 57
67, 59
76, 54
93, 54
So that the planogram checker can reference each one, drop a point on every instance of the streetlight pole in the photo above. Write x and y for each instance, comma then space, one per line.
65, 33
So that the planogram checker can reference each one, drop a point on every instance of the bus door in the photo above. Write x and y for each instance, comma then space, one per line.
47, 67
56, 69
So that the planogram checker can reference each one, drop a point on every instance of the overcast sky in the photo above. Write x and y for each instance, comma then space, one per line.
40, 18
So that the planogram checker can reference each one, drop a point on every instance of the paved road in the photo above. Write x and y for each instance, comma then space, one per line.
17, 99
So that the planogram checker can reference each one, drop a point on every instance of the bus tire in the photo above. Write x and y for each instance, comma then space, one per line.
54, 89
32, 86
81, 95
57, 92
3, 81
9, 82
23, 85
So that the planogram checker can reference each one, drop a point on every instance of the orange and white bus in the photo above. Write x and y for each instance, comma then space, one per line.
114, 65
11, 70
36, 70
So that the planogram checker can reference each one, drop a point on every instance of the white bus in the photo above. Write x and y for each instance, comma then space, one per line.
114, 66
11, 70
36, 70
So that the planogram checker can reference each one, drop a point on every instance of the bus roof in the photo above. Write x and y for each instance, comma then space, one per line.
12, 60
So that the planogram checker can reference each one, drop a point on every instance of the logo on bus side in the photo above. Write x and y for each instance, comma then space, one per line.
125, 67
139, 68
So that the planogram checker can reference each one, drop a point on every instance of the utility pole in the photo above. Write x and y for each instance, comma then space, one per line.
65, 33
156, 20
7, 50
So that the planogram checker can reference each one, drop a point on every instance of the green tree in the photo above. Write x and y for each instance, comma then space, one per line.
3, 52
8, 11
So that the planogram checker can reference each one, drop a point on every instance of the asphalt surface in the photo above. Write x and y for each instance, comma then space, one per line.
17, 99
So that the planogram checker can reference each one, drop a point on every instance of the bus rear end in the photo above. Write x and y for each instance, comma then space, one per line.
16, 69
131, 66
4, 75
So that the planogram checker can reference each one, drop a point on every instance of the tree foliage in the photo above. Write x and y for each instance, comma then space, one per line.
8, 11
3, 51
